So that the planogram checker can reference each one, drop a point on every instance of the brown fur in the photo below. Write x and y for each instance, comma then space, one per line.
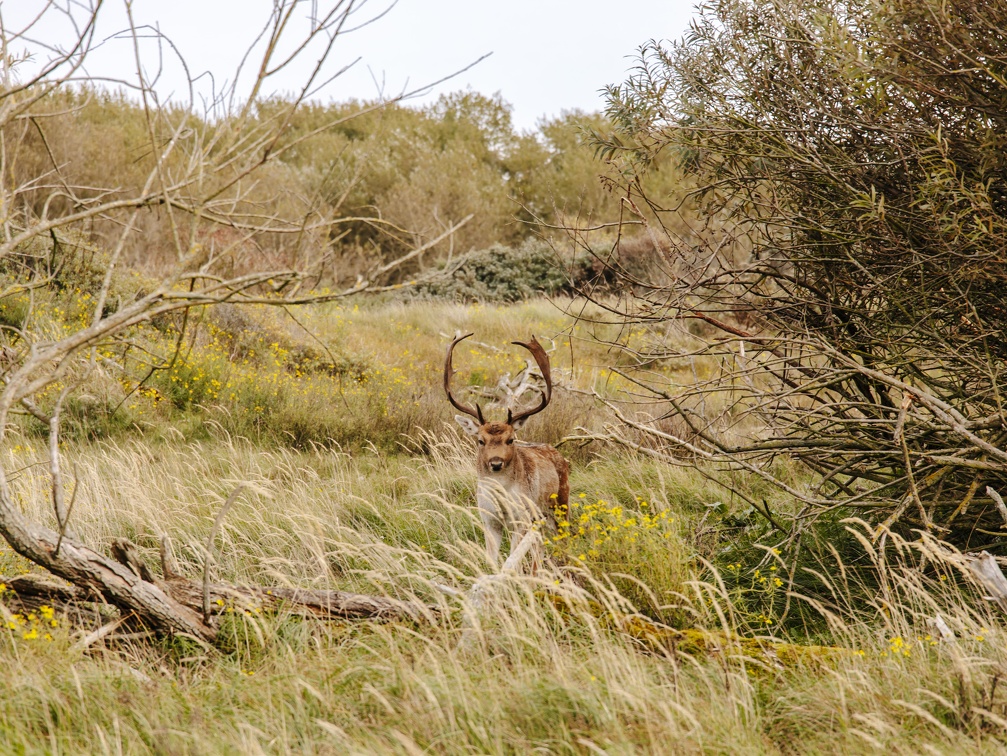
519, 485
535, 474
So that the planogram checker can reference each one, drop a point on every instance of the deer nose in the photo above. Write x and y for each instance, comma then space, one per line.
496, 464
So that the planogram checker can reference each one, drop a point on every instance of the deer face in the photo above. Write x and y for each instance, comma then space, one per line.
494, 442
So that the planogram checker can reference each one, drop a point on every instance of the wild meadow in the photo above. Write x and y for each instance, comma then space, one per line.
768, 278
670, 619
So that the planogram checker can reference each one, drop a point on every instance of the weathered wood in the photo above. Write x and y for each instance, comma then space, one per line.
169, 567
128, 583
95, 573
125, 552
988, 573
38, 585
23, 594
325, 604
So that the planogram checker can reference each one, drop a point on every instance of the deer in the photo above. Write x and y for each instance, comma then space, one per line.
519, 485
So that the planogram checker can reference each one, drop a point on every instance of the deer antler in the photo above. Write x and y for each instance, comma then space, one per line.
477, 413
543, 364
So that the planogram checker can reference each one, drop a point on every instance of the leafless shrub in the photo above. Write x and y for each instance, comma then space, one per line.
228, 234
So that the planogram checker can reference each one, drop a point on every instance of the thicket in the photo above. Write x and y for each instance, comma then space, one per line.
397, 178
851, 155
501, 273
536, 267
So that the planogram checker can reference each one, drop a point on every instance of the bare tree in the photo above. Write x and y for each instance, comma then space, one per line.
205, 173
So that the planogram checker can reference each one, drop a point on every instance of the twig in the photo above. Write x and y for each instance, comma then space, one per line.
32, 408
209, 550
102, 632
69, 511
769, 516
169, 567
54, 470
900, 437
419, 250
998, 500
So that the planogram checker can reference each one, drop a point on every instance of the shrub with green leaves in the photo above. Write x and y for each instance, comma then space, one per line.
502, 274
853, 179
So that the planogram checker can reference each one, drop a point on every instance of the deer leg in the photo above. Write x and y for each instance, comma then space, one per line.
517, 535
563, 491
492, 529
549, 524
536, 557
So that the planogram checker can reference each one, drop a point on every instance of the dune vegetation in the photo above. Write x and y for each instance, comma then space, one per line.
672, 622
774, 339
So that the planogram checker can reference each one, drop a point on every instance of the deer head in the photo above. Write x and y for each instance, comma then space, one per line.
495, 439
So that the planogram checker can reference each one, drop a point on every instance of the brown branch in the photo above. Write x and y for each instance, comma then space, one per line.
208, 558
324, 604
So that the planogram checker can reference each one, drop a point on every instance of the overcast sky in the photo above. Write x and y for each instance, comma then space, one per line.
545, 55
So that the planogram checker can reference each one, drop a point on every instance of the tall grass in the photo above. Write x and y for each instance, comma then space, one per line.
562, 668
670, 618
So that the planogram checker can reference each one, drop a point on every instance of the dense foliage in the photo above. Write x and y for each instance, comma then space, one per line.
852, 154
398, 177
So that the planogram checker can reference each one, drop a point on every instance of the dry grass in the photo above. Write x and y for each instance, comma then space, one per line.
538, 676
584, 674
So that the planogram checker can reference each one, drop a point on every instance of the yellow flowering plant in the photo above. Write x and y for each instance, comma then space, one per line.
635, 545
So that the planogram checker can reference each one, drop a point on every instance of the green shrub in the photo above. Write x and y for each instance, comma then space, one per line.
15, 309
76, 271
502, 274
534, 268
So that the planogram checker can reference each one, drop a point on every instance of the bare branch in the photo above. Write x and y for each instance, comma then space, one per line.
209, 549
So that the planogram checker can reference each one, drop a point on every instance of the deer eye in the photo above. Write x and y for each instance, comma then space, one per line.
481, 442
510, 441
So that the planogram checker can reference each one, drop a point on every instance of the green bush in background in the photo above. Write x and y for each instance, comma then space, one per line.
502, 274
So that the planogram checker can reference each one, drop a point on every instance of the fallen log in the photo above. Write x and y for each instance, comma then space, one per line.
29, 592
319, 603
322, 604
96, 574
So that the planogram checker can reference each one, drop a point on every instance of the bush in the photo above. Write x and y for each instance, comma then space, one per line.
535, 268
73, 267
853, 182
637, 547
502, 274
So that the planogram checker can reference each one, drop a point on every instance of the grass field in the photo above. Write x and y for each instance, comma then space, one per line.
355, 478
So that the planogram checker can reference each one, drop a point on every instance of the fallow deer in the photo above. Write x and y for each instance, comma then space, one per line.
519, 484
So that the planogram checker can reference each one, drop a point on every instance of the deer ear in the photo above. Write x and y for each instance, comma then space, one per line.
468, 424
518, 423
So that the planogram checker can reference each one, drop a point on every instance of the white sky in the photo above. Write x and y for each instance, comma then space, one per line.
547, 55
